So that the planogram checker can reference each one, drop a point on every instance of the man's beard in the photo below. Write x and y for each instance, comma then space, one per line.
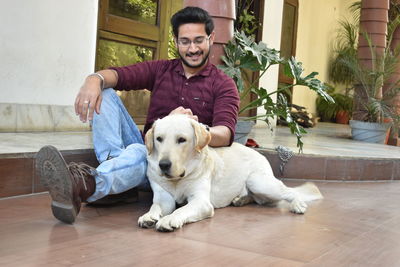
197, 53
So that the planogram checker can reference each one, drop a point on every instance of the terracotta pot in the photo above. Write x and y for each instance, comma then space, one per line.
342, 117
223, 13
388, 132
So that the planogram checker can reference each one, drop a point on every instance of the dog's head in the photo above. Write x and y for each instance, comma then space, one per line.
174, 144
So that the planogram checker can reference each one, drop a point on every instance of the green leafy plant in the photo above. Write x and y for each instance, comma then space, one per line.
326, 109
247, 21
344, 47
376, 103
244, 55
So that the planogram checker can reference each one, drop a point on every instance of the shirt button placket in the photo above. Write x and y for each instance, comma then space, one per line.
184, 91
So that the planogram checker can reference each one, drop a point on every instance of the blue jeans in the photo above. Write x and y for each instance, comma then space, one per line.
119, 148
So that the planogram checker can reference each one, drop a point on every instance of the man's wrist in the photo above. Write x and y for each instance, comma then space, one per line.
101, 77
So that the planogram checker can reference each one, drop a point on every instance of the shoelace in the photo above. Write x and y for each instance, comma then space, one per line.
81, 170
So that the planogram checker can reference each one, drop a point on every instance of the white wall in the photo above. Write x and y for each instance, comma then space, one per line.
271, 35
47, 48
317, 24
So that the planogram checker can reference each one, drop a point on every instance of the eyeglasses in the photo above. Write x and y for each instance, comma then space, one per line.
198, 41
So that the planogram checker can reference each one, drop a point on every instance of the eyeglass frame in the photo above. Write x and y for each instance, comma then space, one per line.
178, 41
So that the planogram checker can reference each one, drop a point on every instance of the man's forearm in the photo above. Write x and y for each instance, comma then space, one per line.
110, 78
220, 136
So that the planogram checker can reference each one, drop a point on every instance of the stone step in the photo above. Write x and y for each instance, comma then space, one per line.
19, 175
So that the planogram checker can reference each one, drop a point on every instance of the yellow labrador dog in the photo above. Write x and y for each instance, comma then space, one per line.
183, 169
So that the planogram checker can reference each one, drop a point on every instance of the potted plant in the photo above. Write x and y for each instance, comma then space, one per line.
344, 104
243, 55
376, 104
339, 111
344, 46
376, 113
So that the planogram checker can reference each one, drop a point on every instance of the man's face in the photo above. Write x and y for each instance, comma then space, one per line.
194, 44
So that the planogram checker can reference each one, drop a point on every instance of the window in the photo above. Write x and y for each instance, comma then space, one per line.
132, 31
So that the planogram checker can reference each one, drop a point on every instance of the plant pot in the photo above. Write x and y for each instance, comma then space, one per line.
370, 132
242, 130
342, 117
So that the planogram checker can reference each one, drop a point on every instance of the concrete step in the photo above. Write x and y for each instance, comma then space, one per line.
329, 154
19, 175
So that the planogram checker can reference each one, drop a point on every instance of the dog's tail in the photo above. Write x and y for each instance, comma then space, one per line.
308, 192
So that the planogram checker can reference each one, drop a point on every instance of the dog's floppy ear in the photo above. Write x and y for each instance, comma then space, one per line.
203, 137
148, 139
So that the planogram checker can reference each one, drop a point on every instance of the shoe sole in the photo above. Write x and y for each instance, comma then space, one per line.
54, 175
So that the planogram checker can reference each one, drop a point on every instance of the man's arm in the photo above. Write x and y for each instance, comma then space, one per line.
220, 136
88, 99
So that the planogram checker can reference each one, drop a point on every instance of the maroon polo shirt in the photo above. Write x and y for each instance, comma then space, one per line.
210, 94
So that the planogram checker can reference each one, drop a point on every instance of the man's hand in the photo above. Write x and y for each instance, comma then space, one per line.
89, 98
186, 111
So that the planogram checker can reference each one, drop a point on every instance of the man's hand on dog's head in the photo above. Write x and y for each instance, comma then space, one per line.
185, 111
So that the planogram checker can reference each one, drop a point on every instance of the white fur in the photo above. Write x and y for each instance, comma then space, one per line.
202, 178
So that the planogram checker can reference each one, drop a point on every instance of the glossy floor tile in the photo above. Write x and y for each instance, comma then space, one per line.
356, 224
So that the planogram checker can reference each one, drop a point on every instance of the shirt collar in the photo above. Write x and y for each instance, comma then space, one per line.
206, 71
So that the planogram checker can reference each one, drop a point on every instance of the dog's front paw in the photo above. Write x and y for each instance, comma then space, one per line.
169, 223
148, 220
298, 206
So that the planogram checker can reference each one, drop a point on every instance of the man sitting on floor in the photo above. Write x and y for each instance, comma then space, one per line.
190, 85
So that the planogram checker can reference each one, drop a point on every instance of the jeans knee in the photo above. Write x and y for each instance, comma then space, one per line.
108, 93
138, 148
110, 100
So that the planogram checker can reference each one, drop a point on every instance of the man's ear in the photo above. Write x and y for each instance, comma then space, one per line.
202, 136
212, 37
176, 42
148, 139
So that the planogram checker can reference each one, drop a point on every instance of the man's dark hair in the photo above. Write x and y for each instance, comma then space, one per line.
192, 14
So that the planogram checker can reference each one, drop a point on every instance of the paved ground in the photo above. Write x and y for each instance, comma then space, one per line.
357, 224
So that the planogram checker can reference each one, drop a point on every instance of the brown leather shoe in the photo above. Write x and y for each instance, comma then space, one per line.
68, 185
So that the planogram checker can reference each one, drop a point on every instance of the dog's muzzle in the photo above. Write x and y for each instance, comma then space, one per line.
165, 167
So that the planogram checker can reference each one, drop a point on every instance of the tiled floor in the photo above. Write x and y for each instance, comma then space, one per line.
357, 224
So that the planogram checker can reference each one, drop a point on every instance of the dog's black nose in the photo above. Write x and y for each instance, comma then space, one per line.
165, 165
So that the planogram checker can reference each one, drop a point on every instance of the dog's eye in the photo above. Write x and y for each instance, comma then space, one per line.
181, 140
159, 139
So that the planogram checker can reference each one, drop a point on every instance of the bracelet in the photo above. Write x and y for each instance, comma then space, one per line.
101, 78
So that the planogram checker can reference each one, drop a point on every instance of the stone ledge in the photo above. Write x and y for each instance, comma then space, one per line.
322, 167
39, 118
